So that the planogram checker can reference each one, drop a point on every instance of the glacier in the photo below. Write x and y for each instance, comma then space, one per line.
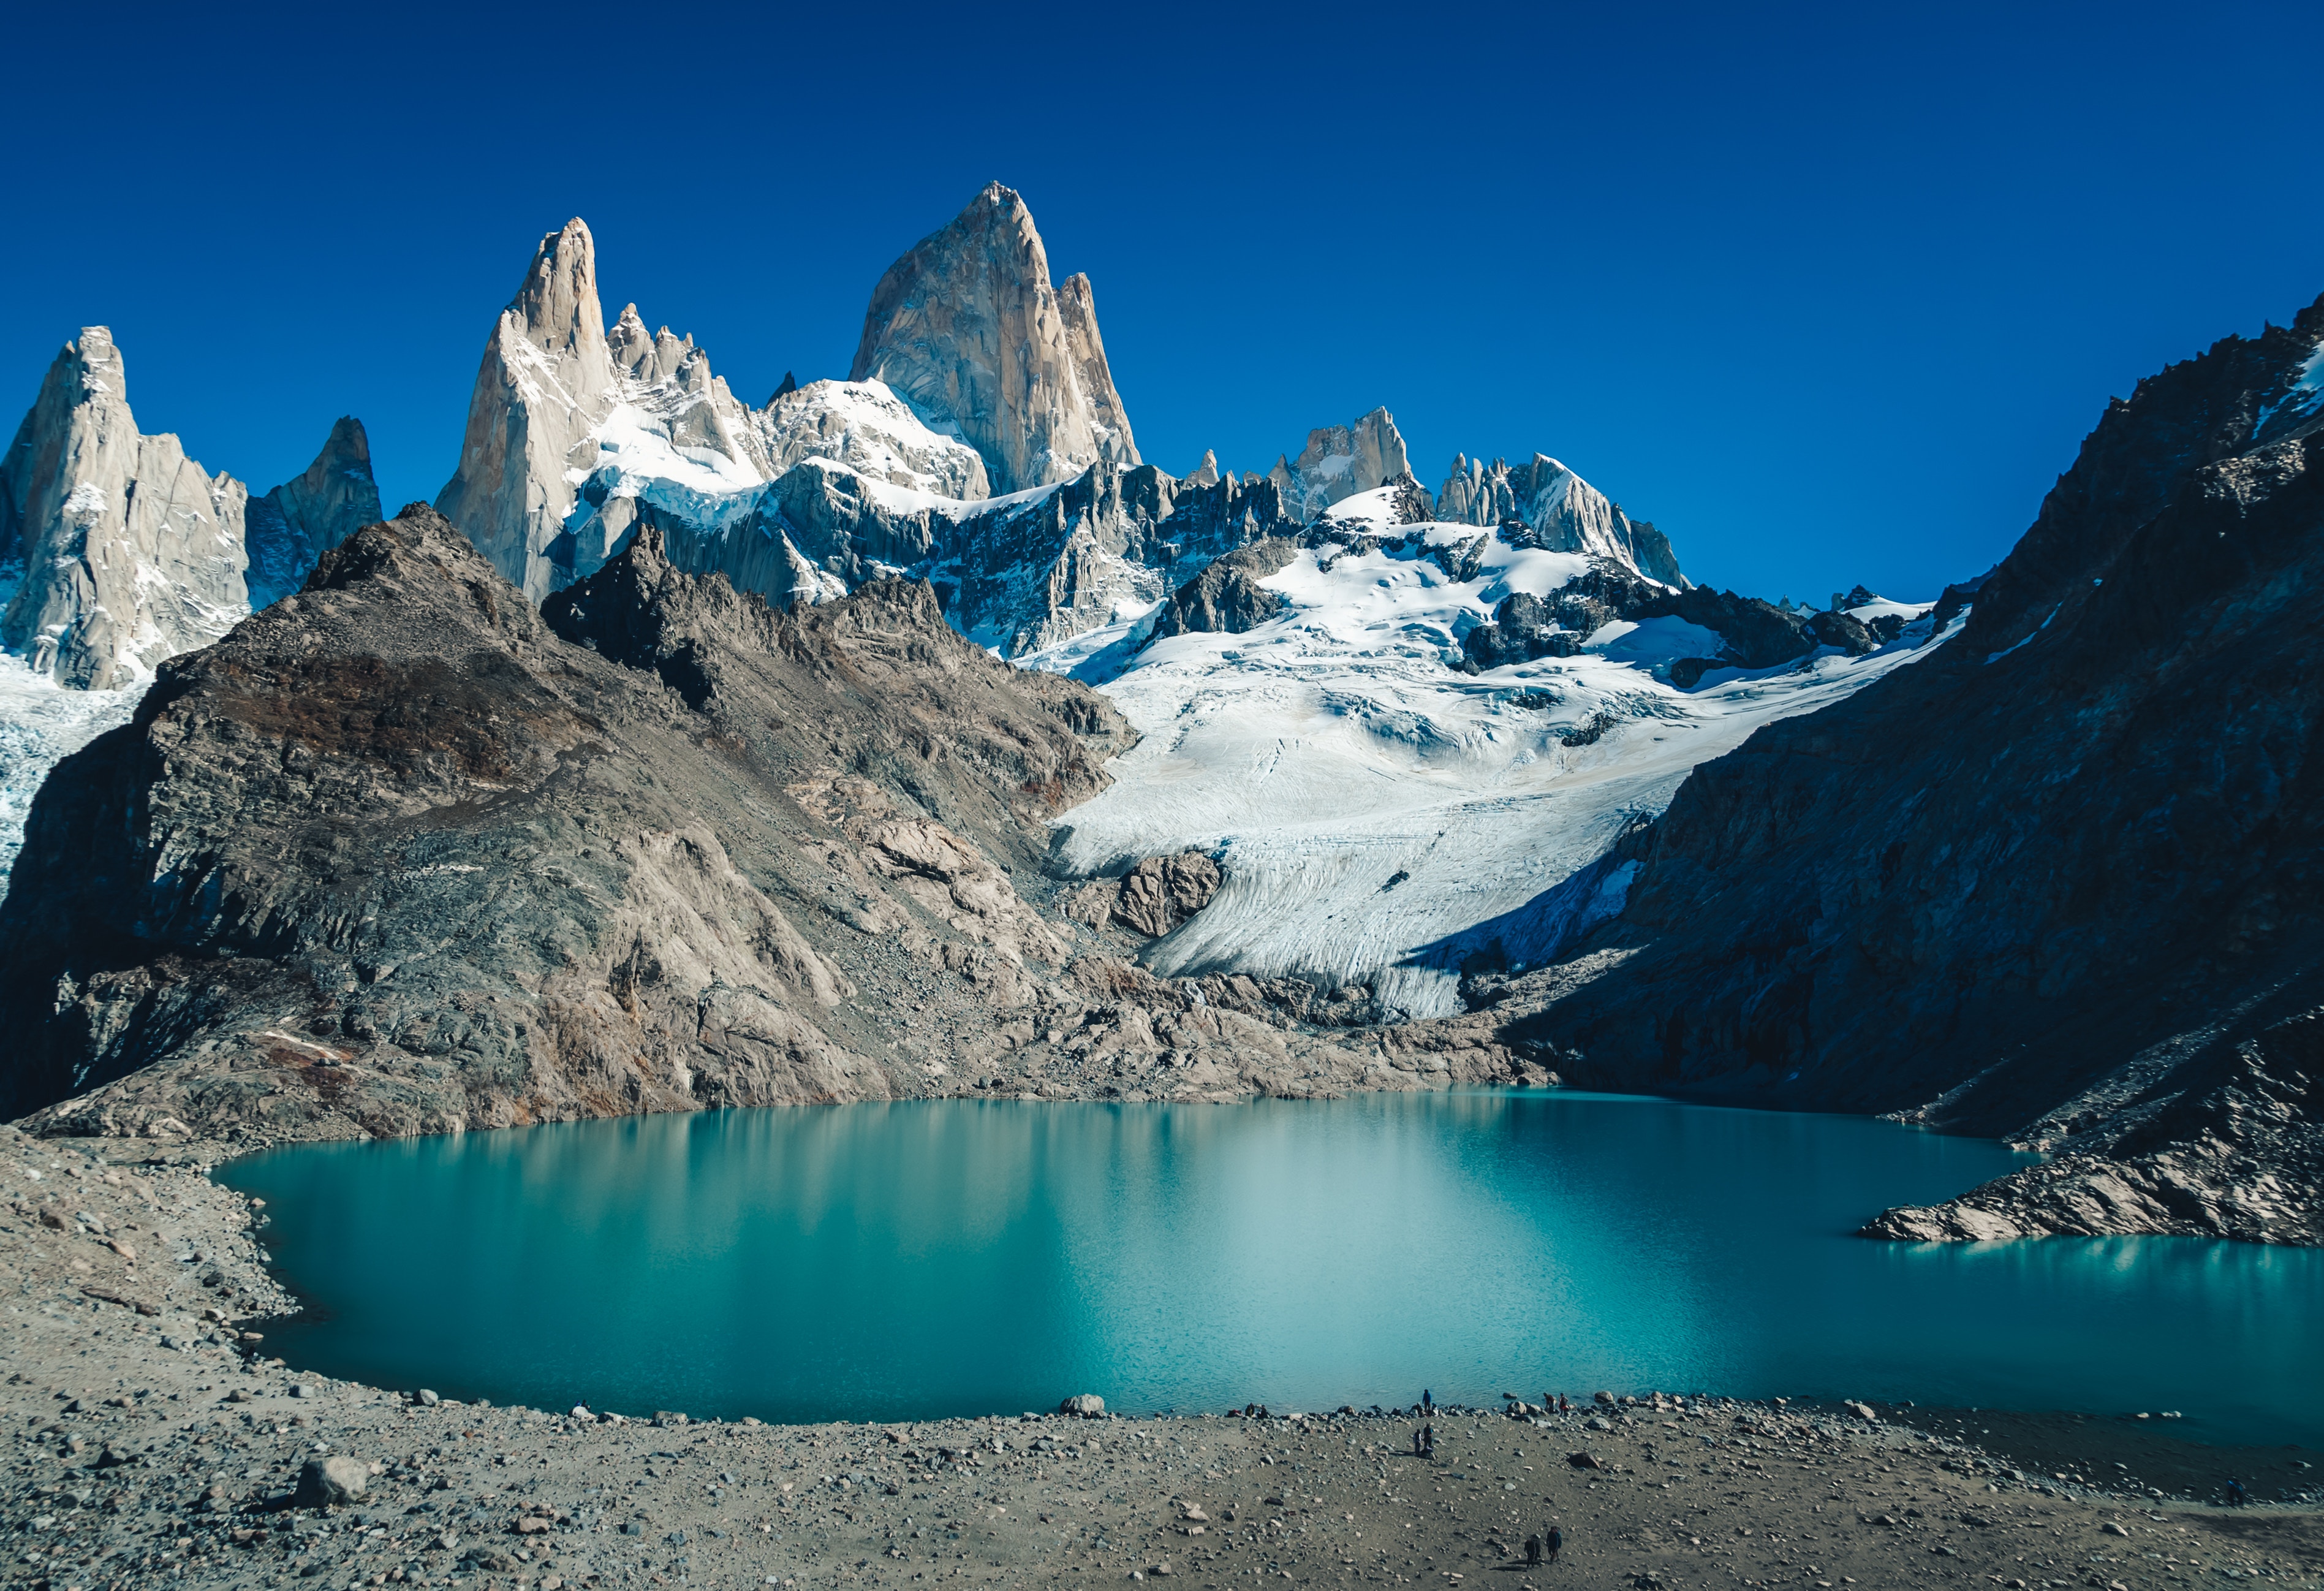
1384, 819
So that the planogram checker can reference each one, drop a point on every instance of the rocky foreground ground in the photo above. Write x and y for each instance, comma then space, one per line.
157, 1442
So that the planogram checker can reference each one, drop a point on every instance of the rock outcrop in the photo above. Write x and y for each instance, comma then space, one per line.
1152, 898
1227, 597
1754, 633
967, 328
1112, 537
1558, 510
1340, 461
127, 552
294, 525
2050, 878
2233, 1148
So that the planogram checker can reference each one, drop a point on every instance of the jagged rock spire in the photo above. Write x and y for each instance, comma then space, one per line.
1561, 511
543, 385
1340, 461
131, 552
967, 328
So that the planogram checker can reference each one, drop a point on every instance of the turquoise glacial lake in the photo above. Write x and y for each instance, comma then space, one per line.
890, 1261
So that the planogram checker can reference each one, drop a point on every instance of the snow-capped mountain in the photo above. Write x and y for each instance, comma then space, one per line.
1408, 725
117, 552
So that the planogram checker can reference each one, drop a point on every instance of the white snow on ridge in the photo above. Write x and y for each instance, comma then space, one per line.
1379, 815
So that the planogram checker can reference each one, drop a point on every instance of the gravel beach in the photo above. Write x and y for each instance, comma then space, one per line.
156, 1441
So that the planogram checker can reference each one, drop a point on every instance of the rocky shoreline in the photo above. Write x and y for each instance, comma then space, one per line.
159, 1442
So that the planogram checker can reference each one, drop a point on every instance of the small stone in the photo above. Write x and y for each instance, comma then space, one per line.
237, 1396
305, 1389
531, 1524
581, 1412
427, 1399
323, 1482
1862, 1411
2112, 1528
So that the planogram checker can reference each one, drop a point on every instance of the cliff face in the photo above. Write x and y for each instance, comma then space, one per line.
129, 551
2044, 882
967, 328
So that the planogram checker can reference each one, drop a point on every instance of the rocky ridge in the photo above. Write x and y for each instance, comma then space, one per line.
974, 377
1544, 505
402, 854
2085, 913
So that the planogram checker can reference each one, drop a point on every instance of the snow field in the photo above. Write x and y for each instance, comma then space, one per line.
1381, 815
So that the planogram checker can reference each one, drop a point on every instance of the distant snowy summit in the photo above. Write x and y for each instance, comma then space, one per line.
980, 441
1394, 720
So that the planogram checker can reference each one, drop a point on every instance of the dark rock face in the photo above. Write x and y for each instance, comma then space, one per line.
288, 530
1227, 598
1758, 634
1524, 628
2232, 1148
1834, 628
1109, 534
2060, 867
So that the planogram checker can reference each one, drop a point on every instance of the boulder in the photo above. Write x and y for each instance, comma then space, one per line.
1162, 892
323, 1482
1087, 1405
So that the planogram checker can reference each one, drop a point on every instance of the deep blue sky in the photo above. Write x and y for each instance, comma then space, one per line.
1831, 295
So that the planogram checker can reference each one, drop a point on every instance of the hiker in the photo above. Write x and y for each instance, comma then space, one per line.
2237, 1497
1416, 1442
1428, 1441
1427, 1402
1556, 1543
1533, 1552
1563, 1406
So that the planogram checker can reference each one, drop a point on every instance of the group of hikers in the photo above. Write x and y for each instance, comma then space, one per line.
1538, 1549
